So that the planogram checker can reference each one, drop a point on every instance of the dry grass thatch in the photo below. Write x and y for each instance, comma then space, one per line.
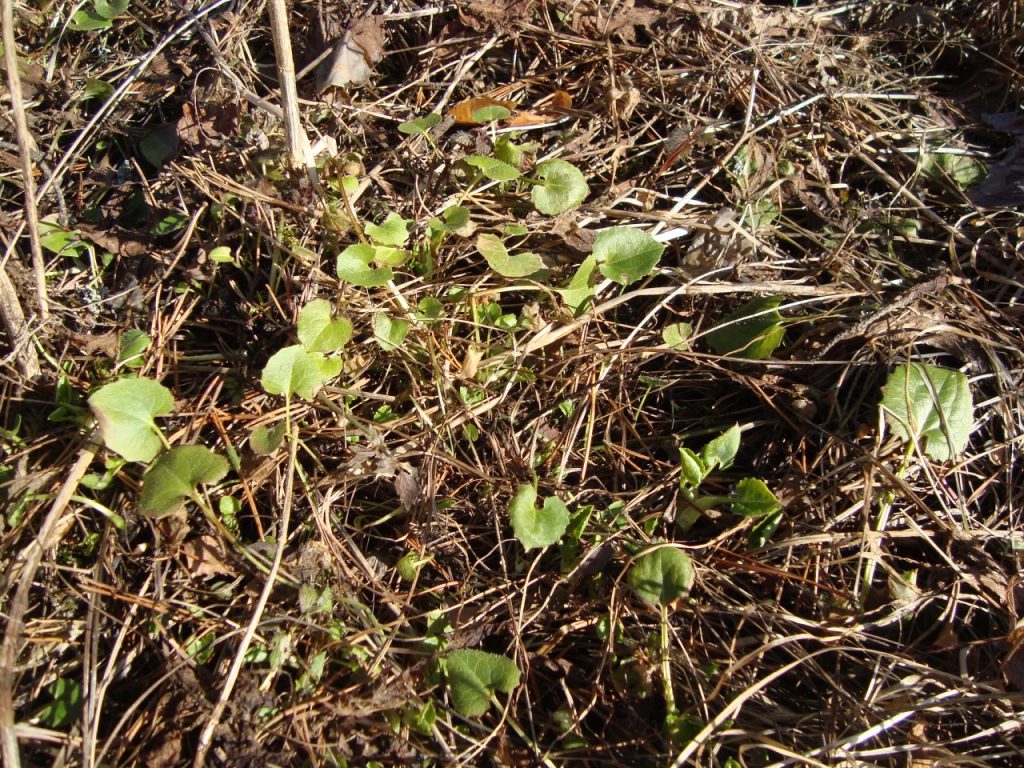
830, 155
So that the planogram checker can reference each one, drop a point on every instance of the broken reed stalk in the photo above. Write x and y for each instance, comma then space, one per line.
299, 152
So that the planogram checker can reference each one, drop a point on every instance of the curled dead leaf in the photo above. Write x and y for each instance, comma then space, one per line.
354, 56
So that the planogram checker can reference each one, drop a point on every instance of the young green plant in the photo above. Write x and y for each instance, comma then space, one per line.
932, 411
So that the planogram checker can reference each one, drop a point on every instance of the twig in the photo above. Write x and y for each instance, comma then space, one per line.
25, 147
19, 604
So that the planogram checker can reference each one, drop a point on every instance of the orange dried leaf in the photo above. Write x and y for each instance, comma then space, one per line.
463, 112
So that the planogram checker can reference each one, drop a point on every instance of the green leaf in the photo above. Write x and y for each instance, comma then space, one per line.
100, 16
475, 676
389, 332
173, 478
96, 89
54, 238
354, 267
721, 451
962, 170
111, 9
692, 469
169, 224
764, 529
419, 125
134, 344
492, 168
581, 287
491, 113
66, 705
430, 308
752, 498
514, 229
389, 256
930, 407
221, 255
662, 576
125, 410
319, 331
265, 440
506, 150
537, 528
625, 254
394, 231
676, 335
493, 250
754, 331
159, 145
562, 187
295, 370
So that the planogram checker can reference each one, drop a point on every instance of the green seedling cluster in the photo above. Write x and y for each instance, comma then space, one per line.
750, 496
126, 412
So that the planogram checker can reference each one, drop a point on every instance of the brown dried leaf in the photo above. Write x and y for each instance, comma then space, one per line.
407, 486
483, 15
206, 555
623, 23
354, 55
579, 239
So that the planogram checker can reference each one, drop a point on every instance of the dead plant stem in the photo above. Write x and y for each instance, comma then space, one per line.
25, 148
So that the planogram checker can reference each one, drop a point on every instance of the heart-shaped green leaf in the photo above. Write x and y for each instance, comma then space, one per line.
394, 231
930, 406
475, 676
319, 331
492, 168
676, 335
962, 170
295, 370
125, 410
625, 254
174, 477
721, 451
537, 528
498, 258
354, 267
661, 576
754, 331
752, 498
419, 125
562, 187
266, 440
389, 332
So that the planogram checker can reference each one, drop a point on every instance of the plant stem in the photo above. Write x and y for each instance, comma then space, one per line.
666, 666
884, 510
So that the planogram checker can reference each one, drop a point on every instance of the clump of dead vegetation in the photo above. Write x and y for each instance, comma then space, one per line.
849, 170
